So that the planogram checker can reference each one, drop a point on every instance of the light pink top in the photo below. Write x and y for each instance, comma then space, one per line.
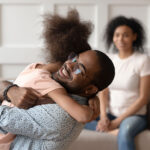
37, 79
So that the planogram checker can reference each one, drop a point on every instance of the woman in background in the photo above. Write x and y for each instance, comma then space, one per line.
127, 96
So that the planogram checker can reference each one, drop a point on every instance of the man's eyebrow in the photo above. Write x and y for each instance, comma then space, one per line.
83, 67
81, 64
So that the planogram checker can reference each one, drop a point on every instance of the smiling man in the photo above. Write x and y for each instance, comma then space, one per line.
89, 69
48, 126
78, 72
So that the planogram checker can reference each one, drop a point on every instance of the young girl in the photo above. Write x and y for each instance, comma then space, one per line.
61, 35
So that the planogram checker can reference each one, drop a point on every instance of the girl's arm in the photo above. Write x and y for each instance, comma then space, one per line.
103, 123
81, 113
94, 103
142, 100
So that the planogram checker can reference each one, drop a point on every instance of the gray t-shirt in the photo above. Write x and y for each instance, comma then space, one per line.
43, 127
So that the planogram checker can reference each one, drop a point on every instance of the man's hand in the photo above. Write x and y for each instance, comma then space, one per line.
23, 97
95, 105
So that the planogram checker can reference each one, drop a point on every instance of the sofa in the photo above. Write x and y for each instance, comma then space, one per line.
92, 140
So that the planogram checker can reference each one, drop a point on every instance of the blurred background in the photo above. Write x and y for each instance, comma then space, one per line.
21, 26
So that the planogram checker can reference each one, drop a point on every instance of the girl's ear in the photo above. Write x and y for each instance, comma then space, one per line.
90, 90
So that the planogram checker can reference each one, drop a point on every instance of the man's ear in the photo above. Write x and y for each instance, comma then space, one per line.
90, 90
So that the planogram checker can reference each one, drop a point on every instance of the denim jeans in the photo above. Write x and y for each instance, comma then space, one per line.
92, 125
129, 128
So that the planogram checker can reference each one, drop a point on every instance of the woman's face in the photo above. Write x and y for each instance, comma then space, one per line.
123, 38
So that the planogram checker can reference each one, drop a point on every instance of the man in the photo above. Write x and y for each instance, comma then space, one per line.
49, 126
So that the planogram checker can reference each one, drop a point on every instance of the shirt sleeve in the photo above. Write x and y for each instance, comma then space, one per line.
145, 66
40, 122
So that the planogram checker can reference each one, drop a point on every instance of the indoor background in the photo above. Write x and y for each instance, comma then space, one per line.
21, 26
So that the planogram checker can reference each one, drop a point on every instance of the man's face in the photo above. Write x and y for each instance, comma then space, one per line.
78, 72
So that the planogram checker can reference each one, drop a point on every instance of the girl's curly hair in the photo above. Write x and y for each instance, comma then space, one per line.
132, 23
63, 35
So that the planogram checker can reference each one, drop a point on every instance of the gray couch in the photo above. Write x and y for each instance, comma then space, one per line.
91, 140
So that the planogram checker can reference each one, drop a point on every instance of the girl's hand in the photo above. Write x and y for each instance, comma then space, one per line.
95, 106
103, 125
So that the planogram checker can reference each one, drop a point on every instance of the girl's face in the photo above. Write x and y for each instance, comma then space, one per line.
123, 38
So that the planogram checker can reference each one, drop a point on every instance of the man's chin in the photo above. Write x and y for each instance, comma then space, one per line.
56, 78
68, 87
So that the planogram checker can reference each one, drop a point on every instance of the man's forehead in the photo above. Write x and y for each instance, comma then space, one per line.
84, 54
89, 59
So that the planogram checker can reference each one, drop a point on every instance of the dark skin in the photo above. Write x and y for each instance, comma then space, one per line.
26, 98
20, 97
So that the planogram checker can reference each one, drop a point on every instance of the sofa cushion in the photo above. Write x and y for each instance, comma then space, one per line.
92, 140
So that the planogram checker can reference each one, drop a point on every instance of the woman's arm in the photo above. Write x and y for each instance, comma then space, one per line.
81, 113
104, 100
103, 123
142, 100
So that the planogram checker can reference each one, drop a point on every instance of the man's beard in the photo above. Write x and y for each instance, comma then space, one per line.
69, 88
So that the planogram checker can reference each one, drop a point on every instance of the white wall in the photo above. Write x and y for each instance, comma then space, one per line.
21, 27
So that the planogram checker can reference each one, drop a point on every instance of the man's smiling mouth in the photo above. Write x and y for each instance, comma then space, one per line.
64, 72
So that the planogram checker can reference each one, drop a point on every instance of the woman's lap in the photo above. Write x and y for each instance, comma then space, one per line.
129, 128
133, 124
92, 125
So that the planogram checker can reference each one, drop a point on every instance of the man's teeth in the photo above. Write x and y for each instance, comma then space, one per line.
64, 72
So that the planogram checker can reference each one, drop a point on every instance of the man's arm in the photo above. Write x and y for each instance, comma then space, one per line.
39, 122
19, 96
3, 86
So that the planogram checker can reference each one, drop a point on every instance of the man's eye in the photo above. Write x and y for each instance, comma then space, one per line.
77, 71
74, 60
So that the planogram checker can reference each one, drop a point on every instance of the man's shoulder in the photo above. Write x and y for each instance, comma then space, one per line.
50, 112
80, 99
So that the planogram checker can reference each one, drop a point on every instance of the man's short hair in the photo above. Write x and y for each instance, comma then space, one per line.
106, 73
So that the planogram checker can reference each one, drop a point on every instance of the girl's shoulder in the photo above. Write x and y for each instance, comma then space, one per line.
35, 65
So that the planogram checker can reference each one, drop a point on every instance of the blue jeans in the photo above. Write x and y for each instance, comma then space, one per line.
129, 128
92, 125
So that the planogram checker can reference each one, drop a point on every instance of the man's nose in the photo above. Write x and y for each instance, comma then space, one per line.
70, 65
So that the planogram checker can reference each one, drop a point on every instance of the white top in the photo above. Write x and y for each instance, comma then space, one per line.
124, 89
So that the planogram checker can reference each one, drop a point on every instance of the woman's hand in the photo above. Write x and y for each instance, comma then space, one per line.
103, 125
114, 124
